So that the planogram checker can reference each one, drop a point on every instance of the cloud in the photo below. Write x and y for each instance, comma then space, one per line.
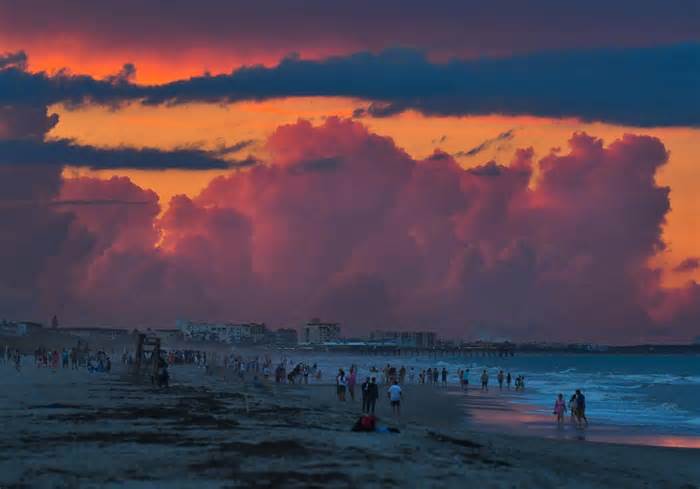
341, 223
23, 141
13, 60
690, 264
98, 202
223, 150
63, 152
611, 85
26, 122
504, 136
125, 75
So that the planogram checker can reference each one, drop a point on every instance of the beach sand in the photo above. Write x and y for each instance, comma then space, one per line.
75, 429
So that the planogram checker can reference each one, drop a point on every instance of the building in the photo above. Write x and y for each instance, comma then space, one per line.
96, 333
18, 328
285, 337
233, 333
404, 339
317, 332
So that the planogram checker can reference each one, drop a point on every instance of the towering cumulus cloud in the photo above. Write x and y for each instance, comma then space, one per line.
42, 249
555, 248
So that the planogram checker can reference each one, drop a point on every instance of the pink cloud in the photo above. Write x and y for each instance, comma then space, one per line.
343, 224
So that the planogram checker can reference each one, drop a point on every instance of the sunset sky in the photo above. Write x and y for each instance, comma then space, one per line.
523, 170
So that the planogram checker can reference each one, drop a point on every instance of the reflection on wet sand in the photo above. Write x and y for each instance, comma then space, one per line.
504, 411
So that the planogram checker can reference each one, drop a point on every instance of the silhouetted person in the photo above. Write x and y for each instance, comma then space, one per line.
365, 395
372, 395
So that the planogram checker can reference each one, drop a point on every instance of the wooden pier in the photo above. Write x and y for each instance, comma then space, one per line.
497, 350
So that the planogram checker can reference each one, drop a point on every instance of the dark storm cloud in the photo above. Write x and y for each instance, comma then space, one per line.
640, 87
18, 60
223, 150
21, 87
66, 152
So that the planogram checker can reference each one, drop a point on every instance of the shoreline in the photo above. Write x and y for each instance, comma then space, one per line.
75, 429
508, 414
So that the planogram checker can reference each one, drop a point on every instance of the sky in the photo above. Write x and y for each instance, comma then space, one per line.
520, 170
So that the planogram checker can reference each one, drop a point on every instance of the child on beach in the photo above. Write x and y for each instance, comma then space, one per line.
560, 408
341, 383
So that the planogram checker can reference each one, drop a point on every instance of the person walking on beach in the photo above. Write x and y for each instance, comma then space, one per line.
500, 380
508, 380
412, 375
444, 376
341, 384
465, 379
560, 408
351, 382
485, 381
365, 396
394, 395
372, 395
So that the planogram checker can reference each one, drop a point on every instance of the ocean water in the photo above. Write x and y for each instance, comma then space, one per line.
659, 393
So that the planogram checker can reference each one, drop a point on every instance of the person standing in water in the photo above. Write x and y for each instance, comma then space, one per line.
485, 380
560, 408
465, 379
500, 380
508, 380
572, 407
581, 408
394, 395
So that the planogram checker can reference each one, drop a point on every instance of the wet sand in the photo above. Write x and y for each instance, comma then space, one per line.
504, 410
75, 429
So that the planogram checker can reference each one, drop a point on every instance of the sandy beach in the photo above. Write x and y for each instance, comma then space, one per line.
75, 429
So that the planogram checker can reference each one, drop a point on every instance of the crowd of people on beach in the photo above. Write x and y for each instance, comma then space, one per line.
11, 356
395, 376
63, 358
261, 368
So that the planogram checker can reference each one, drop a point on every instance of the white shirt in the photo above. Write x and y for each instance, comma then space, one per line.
394, 392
